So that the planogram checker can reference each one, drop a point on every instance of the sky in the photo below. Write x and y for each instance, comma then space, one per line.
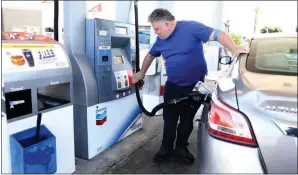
273, 13
240, 13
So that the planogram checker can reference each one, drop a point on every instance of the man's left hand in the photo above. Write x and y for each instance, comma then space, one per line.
240, 49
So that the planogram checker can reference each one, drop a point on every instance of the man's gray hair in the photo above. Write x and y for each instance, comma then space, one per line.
161, 15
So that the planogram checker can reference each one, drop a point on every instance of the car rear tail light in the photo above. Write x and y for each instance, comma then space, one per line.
226, 123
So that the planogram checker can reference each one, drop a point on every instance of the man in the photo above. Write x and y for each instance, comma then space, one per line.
181, 45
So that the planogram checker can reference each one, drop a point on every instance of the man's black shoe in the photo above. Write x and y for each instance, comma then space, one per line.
184, 155
163, 154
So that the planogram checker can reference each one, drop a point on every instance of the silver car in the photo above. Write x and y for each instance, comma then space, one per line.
251, 123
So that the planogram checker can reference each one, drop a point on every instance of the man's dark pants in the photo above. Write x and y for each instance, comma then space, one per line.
171, 114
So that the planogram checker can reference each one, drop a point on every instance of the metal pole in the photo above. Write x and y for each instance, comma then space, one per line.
56, 20
2, 21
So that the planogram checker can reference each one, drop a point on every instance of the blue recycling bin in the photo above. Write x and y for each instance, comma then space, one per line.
29, 157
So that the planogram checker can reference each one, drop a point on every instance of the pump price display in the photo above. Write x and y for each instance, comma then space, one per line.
122, 79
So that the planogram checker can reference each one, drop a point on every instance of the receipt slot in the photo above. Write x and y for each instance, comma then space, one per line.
37, 78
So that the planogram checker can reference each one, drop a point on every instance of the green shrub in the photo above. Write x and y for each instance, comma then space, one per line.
236, 38
271, 29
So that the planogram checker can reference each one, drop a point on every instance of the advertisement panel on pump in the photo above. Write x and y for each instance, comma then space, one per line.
29, 57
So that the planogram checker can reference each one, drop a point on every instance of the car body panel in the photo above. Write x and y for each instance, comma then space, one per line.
257, 94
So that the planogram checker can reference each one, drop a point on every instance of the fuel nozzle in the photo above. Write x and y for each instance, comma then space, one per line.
140, 84
204, 90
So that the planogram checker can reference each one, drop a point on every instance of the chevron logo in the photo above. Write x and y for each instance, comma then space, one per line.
101, 116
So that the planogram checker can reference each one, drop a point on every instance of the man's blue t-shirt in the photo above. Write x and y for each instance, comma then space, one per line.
183, 52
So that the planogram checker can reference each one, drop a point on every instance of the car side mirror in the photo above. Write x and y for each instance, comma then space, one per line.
225, 60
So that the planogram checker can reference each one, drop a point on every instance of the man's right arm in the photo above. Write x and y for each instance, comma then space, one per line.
151, 55
147, 62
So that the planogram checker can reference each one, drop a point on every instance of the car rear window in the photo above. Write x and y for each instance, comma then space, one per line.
273, 56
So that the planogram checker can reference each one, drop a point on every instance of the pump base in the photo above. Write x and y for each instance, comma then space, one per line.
118, 119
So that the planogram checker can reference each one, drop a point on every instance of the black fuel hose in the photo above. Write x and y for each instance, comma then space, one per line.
56, 20
140, 83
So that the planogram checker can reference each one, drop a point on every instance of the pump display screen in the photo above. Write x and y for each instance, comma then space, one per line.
119, 60
121, 30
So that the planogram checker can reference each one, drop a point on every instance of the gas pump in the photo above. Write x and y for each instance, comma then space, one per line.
110, 49
102, 53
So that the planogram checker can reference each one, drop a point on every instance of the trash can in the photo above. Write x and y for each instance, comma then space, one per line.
31, 156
